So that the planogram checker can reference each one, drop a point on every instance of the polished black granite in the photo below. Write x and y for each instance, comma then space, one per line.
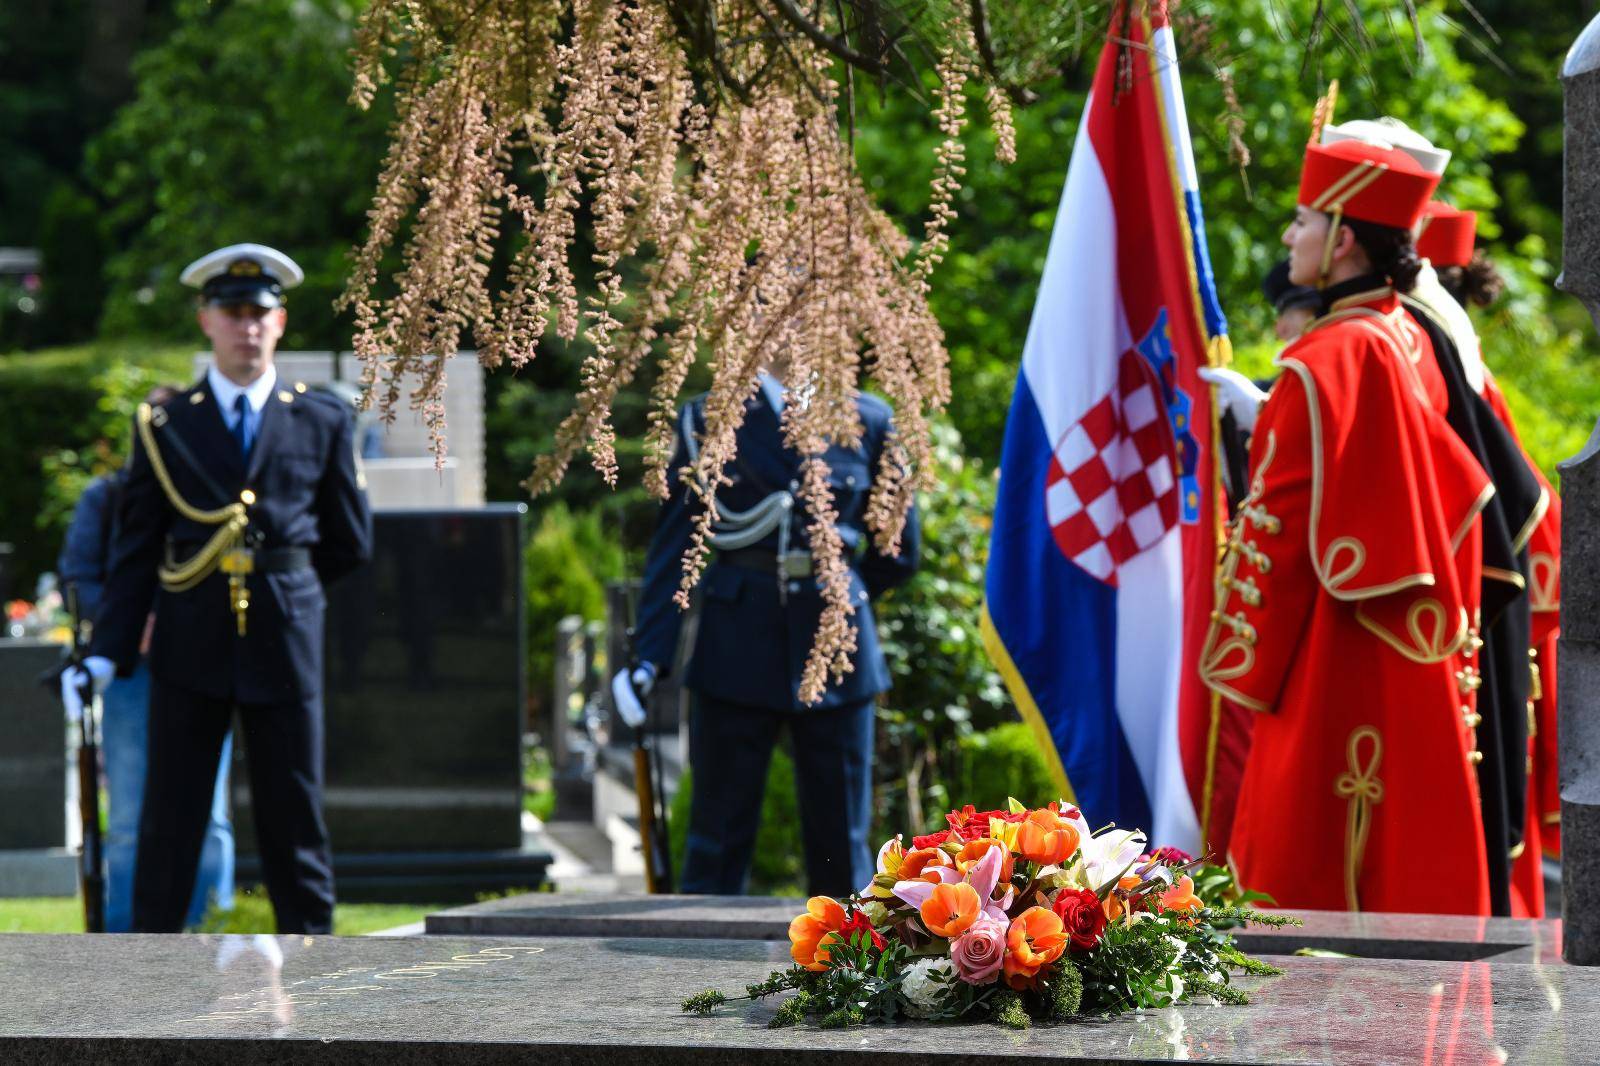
243, 1000
33, 748
426, 684
1391, 936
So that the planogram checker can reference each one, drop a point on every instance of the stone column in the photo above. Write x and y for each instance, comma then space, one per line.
1579, 658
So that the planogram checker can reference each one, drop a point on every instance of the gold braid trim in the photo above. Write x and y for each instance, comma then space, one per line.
233, 519
1362, 787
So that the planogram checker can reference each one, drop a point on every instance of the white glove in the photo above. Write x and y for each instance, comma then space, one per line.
629, 692
1239, 396
96, 671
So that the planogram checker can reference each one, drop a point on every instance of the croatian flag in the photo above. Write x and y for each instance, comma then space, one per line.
1101, 557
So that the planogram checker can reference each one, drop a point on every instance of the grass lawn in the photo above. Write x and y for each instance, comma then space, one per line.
251, 914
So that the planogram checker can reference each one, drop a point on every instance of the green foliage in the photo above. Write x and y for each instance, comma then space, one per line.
63, 428
72, 252
567, 563
1002, 762
63, 69
985, 289
522, 411
538, 786
252, 913
1063, 993
778, 868
239, 131
1216, 887
944, 684
1008, 1011
118, 390
1551, 384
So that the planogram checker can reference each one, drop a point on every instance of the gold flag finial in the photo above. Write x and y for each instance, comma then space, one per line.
1322, 114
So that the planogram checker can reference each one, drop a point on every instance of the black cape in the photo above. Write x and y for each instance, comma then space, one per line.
1518, 503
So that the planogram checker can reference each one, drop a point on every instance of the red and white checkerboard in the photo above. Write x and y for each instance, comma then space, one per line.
1110, 493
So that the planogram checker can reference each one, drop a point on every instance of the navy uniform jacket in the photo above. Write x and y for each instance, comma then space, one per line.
751, 647
308, 494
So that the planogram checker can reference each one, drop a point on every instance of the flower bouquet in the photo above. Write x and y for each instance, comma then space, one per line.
1011, 916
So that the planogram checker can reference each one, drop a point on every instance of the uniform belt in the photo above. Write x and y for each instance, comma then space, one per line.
266, 561
792, 565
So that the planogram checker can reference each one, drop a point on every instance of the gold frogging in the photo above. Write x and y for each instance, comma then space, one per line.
225, 551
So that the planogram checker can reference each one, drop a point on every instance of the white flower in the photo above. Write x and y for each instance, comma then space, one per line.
1109, 855
925, 986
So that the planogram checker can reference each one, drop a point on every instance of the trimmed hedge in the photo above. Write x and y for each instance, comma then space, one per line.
52, 405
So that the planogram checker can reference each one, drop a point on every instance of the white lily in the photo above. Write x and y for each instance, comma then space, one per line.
1108, 856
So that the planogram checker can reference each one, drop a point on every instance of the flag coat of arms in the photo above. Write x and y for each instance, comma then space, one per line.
1105, 536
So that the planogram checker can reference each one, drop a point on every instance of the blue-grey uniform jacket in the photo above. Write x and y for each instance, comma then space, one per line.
753, 642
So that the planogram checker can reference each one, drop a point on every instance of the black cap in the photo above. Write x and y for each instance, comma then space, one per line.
1283, 294
244, 282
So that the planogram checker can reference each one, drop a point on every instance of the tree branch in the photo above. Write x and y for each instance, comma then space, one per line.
836, 46
1020, 95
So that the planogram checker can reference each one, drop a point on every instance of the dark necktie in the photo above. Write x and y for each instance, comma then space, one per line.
241, 425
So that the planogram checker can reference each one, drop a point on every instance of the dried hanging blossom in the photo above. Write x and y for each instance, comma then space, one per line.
699, 146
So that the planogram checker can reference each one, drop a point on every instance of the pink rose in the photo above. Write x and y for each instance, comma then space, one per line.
978, 952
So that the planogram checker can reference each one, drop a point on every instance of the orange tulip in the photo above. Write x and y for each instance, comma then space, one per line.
969, 855
1114, 903
1035, 940
1181, 897
919, 863
952, 909
823, 917
1046, 837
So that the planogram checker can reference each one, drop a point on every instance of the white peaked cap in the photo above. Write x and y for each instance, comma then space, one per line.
1393, 133
228, 260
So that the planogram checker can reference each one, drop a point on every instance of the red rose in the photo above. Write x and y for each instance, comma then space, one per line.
859, 923
932, 840
1082, 917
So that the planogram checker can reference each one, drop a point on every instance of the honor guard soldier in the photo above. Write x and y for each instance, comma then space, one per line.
760, 605
242, 501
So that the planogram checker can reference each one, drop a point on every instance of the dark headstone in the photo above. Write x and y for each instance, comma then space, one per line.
1579, 656
1438, 937
33, 749
240, 1001
8, 571
426, 685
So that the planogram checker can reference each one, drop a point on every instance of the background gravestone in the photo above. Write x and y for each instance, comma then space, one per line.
33, 757
34, 860
426, 684
1579, 659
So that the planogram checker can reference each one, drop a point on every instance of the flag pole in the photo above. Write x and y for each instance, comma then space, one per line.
1219, 353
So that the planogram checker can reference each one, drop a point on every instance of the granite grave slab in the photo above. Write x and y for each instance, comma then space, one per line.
1390, 936
245, 1000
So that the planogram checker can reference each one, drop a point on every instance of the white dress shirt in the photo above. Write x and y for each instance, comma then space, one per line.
256, 395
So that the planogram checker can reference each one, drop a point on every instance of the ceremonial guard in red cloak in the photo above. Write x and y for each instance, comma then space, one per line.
1457, 275
1348, 597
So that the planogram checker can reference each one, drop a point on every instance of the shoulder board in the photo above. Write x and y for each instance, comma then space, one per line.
874, 405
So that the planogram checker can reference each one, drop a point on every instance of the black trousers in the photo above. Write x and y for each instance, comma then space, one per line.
283, 746
730, 746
